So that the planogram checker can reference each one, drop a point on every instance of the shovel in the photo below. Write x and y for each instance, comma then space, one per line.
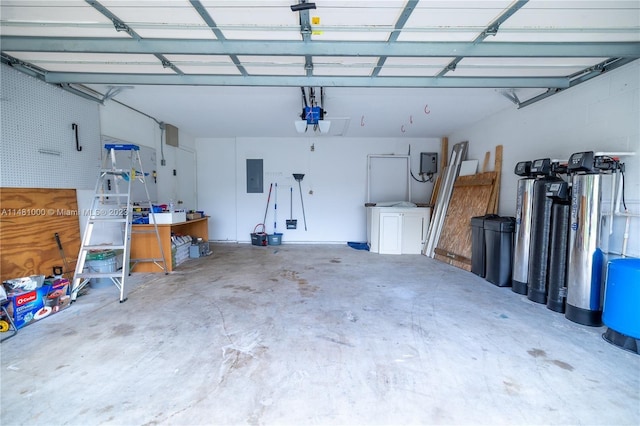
291, 223
298, 177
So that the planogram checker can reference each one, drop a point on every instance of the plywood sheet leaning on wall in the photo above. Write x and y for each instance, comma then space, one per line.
471, 197
30, 219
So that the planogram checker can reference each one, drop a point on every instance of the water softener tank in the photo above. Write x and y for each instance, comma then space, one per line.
522, 235
585, 262
557, 276
540, 231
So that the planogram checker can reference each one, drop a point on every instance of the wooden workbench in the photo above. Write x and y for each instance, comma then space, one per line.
144, 245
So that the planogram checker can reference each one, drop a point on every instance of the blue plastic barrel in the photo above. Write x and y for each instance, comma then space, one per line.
621, 311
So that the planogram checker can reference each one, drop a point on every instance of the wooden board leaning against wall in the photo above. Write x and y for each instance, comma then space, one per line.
474, 195
30, 218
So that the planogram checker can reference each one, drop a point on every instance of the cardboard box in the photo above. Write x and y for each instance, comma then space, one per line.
167, 218
192, 216
26, 307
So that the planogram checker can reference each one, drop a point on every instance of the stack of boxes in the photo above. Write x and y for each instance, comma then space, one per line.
30, 299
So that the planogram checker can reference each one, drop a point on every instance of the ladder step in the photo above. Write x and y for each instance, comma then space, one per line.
158, 259
107, 219
121, 147
112, 194
115, 171
102, 247
99, 275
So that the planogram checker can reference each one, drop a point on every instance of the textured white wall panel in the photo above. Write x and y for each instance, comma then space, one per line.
35, 117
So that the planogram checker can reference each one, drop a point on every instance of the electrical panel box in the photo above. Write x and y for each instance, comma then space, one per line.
171, 137
428, 162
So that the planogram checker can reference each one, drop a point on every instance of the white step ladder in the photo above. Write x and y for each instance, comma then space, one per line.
112, 203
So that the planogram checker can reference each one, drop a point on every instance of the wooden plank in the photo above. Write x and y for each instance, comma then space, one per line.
479, 180
434, 193
467, 200
495, 194
30, 219
444, 149
485, 163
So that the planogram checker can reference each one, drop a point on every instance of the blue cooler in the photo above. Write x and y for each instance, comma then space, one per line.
621, 311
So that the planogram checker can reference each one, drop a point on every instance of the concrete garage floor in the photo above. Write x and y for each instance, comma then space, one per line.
314, 334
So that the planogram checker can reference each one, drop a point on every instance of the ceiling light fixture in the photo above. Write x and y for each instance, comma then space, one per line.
302, 6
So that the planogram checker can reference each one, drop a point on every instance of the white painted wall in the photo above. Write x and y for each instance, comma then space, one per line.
334, 187
600, 115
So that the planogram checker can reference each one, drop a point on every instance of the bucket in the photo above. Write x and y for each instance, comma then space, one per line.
274, 239
101, 262
259, 238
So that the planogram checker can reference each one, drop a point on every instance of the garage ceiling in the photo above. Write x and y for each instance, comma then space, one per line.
142, 52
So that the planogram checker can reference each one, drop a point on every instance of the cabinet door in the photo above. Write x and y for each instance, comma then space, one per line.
390, 233
412, 231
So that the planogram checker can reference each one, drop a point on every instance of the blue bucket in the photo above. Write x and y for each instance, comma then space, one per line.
274, 239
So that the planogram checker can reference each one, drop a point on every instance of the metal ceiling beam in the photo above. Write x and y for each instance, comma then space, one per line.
393, 37
120, 25
300, 81
200, 9
490, 30
322, 48
578, 78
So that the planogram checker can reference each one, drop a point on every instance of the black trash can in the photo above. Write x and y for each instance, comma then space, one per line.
498, 235
477, 246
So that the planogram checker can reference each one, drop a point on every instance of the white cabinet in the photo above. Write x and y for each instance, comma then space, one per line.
397, 230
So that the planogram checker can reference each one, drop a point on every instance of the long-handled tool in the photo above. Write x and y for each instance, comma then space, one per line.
275, 209
291, 223
64, 258
299, 177
267, 208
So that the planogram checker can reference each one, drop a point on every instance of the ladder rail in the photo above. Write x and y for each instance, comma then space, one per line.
155, 224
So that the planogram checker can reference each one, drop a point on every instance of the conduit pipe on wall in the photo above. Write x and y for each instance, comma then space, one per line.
617, 193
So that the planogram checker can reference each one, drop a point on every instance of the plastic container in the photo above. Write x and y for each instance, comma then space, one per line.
101, 262
498, 235
477, 246
274, 239
259, 238
621, 310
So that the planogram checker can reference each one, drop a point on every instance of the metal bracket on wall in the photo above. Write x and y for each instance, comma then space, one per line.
74, 126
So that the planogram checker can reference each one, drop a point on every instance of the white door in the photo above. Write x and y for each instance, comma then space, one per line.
412, 231
390, 233
186, 174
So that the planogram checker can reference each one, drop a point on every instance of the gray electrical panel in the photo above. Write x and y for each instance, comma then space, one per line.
171, 137
428, 163
254, 176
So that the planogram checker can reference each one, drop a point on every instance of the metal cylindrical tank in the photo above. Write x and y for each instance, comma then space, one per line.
557, 279
585, 265
522, 236
540, 238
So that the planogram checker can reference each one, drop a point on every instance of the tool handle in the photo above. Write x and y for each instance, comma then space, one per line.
58, 240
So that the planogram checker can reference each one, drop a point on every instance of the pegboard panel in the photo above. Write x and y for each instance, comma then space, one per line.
37, 138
